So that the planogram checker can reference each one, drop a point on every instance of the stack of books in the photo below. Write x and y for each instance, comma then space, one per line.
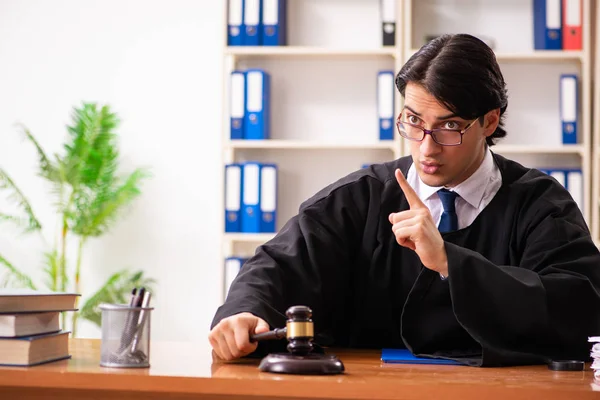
30, 331
595, 353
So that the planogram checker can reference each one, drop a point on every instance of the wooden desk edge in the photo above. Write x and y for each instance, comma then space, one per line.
365, 378
164, 385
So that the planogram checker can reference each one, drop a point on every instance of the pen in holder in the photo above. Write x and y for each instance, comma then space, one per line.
126, 335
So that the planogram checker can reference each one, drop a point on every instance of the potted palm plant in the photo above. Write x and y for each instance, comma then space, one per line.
90, 197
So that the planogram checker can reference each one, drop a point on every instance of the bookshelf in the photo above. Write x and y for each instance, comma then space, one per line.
534, 149
252, 238
324, 121
307, 51
532, 117
305, 144
534, 55
596, 125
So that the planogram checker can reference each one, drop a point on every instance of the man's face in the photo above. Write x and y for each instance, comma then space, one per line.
439, 165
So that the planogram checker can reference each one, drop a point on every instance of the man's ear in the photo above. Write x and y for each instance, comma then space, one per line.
491, 121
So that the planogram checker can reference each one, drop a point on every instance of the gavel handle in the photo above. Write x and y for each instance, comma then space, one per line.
274, 334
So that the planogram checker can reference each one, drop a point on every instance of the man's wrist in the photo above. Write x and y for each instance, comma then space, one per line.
444, 271
443, 264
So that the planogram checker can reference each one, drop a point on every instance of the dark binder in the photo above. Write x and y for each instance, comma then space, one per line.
388, 22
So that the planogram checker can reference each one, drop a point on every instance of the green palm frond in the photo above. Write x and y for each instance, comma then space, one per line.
6, 183
90, 163
46, 168
52, 270
59, 193
13, 277
92, 134
22, 222
102, 161
101, 209
53, 172
116, 290
84, 124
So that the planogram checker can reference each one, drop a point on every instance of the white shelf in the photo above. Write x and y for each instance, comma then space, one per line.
304, 144
302, 51
249, 237
541, 55
300, 144
538, 55
529, 149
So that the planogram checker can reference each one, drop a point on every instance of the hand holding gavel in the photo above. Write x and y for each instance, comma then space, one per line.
230, 338
299, 331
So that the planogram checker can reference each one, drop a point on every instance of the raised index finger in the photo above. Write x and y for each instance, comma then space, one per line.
411, 196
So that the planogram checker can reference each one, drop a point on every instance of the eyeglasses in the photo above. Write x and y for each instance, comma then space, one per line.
444, 137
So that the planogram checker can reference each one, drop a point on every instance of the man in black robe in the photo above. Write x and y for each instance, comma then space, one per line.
455, 252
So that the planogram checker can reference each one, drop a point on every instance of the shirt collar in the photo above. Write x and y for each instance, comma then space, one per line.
423, 190
471, 190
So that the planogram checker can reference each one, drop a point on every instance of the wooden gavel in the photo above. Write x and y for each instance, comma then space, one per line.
300, 359
299, 331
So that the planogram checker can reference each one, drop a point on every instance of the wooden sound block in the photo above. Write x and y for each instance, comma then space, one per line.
310, 364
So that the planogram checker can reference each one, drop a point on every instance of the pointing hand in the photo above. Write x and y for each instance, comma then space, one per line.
415, 229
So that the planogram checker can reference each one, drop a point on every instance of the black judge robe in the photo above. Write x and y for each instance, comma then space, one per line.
523, 286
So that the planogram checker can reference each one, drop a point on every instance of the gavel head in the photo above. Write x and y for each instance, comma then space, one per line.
300, 330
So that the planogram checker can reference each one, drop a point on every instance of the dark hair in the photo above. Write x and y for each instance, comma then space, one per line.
462, 73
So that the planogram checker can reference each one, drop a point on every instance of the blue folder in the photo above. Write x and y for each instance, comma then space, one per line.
233, 194
274, 22
569, 107
268, 197
385, 104
237, 107
404, 356
257, 117
547, 25
251, 192
252, 22
236, 31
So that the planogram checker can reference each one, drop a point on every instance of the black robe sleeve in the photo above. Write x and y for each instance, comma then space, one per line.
306, 263
543, 308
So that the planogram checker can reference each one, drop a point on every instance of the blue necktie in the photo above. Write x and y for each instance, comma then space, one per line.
449, 220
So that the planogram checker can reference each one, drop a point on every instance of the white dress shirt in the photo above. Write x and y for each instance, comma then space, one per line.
474, 194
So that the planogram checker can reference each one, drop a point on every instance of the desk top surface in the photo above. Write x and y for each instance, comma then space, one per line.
188, 368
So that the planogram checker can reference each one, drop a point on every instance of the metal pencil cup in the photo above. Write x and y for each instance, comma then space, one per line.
125, 336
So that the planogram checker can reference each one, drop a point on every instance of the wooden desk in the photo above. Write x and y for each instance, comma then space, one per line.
186, 371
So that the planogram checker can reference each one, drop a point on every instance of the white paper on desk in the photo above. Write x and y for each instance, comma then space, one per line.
595, 352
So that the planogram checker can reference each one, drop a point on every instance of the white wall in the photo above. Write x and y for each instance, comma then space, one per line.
158, 64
